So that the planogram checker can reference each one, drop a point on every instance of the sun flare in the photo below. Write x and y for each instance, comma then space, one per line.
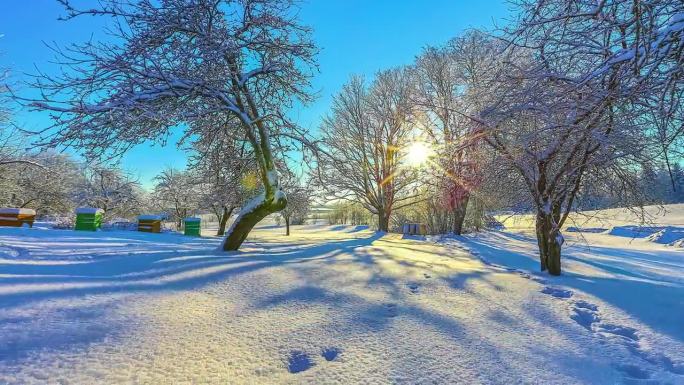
418, 153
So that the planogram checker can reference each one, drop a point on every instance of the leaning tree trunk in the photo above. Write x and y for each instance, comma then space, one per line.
272, 200
224, 220
256, 211
549, 241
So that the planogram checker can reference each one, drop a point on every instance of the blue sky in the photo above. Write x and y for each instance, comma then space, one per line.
355, 37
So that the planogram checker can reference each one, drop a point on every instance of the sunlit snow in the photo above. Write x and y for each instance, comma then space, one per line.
331, 304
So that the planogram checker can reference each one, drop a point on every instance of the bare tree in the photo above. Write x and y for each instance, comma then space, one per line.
667, 117
178, 192
363, 139
49, 189
444, 80
563, 104
299, 200
110, 189
12, 140
641, 39
179, 61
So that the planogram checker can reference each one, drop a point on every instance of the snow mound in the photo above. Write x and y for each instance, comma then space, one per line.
668, 234
633, 231
574, 229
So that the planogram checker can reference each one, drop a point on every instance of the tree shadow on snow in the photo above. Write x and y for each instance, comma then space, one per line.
64, 283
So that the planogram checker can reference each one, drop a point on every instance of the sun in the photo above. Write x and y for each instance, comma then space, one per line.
418, 153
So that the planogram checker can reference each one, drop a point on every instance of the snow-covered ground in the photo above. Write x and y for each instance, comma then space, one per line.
334, 304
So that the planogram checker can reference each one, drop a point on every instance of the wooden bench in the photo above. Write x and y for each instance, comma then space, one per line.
15, 217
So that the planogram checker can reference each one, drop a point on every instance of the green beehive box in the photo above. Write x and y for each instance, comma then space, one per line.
88, 218
192, 226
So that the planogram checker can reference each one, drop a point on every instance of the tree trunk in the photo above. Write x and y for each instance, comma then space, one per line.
224, 220
460, 214
247, 220
383, 221
273, 198
669, 171
287, 225
549, 241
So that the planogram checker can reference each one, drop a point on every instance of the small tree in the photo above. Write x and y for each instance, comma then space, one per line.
667, 117
363, 138
444, 78
299, 200
110, 189
11, 139
176, 190
49, 188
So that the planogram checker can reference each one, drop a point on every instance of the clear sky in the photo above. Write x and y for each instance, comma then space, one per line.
355, 37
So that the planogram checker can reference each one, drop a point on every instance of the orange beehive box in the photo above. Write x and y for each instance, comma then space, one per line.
149, 223
16, 217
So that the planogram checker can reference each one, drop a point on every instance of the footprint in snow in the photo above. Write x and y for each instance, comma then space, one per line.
657, 359
391, 310
427, 276
587, 315
298, 362
670, 366
413, 287
557, 292
621, 331
633, 371
331, 353
376, 316
586, 305
527, 275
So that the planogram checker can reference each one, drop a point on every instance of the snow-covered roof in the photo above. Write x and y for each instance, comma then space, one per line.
192, 219
88, 210
11, 210
150, 217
